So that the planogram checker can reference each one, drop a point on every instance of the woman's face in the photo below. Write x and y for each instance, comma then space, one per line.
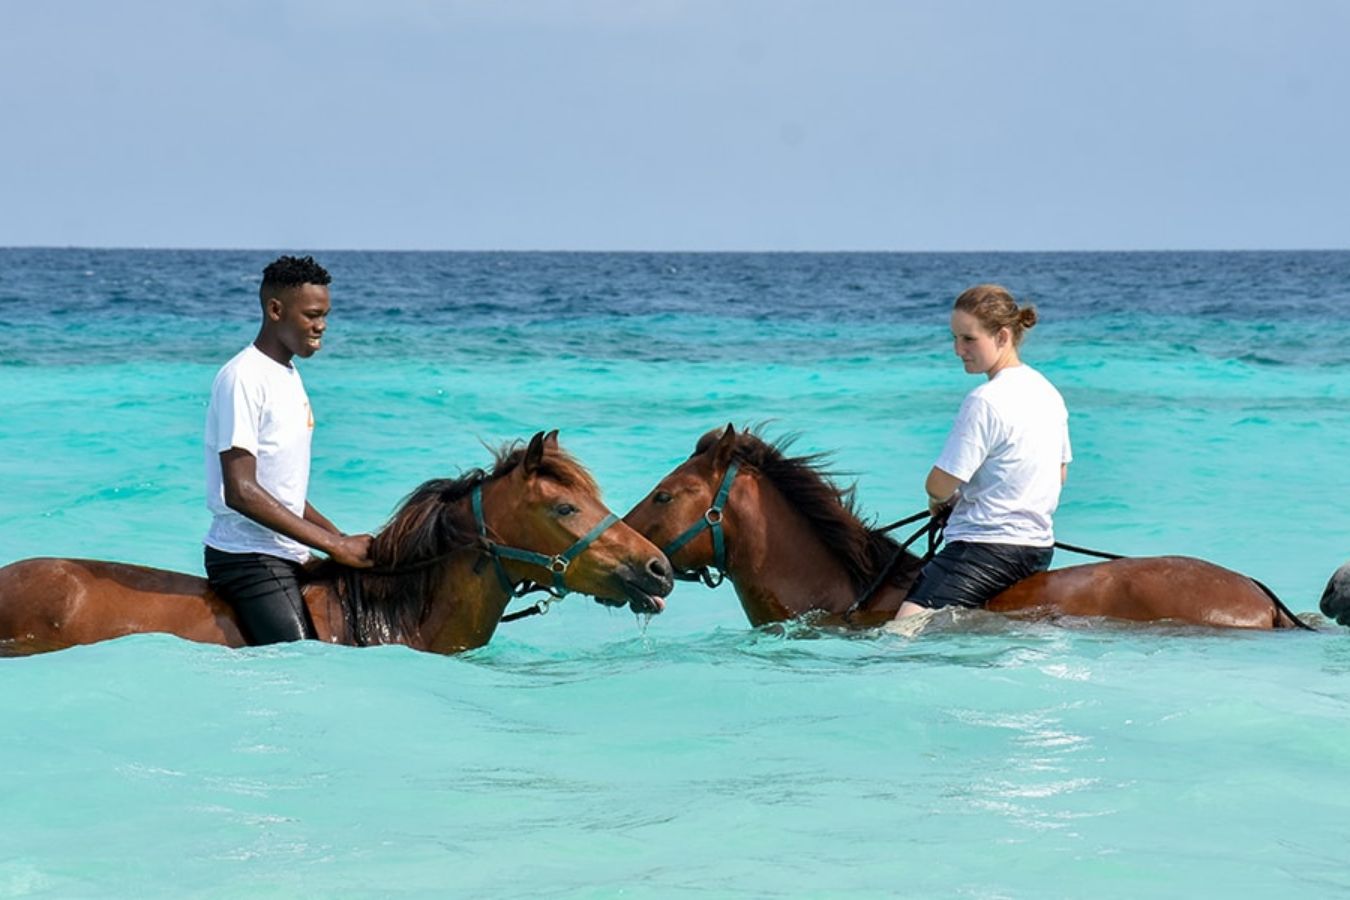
979, 350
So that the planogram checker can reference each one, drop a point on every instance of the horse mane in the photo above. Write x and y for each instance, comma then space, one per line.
810, 488
389, 604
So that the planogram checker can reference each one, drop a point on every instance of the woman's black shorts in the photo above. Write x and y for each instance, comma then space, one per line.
964, 573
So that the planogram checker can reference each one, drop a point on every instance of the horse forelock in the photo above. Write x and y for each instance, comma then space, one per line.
809, 487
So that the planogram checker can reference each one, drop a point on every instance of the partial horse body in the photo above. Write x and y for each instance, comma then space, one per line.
1335, 602
446, 566
793, 544
1148, 589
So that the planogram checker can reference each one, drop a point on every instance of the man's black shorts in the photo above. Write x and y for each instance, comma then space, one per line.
265, 593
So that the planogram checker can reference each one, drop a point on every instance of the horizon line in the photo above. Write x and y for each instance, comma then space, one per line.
560, 250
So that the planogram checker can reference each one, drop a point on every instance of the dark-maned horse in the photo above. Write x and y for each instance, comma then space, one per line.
446, 566
792, 543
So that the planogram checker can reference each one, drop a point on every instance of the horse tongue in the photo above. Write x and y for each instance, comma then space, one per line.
653, 606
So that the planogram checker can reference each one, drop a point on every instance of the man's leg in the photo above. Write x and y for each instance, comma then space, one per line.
264, 592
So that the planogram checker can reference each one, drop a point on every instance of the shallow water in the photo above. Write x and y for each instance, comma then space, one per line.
586, 753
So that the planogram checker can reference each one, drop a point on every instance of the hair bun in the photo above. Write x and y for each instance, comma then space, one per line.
1027, 316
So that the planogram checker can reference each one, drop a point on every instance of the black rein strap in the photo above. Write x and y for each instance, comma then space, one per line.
932, 528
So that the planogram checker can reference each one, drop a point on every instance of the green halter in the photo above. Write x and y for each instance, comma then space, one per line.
556, 565
712, 520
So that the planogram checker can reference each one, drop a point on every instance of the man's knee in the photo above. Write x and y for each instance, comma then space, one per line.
274, 619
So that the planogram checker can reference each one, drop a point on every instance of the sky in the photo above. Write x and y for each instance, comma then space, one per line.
910, 125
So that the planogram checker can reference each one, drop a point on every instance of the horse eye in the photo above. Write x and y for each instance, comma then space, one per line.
565, 509
661, 497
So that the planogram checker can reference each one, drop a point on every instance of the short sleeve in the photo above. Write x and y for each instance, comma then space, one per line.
236, 412
971, 438
1066, 456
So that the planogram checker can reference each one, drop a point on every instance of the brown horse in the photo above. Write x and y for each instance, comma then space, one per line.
446, 566
792, 543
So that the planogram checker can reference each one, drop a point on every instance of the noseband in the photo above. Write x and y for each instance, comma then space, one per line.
556, 565
712, 520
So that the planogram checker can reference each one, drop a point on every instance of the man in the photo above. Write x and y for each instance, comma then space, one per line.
258, 429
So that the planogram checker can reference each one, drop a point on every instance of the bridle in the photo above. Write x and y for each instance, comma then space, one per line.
555, 565
712, 521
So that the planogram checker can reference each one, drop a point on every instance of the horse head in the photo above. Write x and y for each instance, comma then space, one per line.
545, 522
684, 514
776, 525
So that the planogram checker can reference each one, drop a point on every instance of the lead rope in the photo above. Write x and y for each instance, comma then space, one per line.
538, 609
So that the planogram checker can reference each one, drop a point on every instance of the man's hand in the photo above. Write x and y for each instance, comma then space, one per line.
352, 550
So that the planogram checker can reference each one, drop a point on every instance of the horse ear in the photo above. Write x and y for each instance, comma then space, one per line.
726, 445
551, 439
534, 454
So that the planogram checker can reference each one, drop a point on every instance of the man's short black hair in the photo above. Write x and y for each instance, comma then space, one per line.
292, 271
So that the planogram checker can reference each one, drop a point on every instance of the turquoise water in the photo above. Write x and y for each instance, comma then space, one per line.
590, 754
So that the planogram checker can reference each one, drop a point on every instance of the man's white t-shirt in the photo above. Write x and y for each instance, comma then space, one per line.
1010, 438
258, 405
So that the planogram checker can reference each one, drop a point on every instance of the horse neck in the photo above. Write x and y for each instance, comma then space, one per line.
778, 564
464, 608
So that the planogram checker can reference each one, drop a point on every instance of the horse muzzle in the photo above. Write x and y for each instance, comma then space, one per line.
645, 587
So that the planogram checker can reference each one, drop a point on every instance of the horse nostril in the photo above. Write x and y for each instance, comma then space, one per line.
658, 567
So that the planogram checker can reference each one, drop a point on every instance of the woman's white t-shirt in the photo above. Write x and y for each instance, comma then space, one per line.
1009, 441
258, 405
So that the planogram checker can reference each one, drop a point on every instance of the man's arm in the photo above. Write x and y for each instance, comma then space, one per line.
243, 494
318, 518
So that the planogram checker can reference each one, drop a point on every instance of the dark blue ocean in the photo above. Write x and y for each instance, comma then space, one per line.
590, 754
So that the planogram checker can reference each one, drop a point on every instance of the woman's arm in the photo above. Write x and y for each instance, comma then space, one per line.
942, 488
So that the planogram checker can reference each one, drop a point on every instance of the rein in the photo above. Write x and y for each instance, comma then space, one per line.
932, 528
712, 521
1100, 554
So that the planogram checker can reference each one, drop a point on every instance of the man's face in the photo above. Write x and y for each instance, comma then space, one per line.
301, 316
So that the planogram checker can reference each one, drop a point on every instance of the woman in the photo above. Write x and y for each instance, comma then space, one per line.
1000, 472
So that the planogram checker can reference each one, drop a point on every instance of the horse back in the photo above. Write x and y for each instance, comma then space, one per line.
1146, 589
49, 603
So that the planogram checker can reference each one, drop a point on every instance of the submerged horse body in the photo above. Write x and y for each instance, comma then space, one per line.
792, 544
446, 566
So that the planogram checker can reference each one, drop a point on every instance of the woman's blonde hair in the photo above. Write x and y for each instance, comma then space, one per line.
994, 307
